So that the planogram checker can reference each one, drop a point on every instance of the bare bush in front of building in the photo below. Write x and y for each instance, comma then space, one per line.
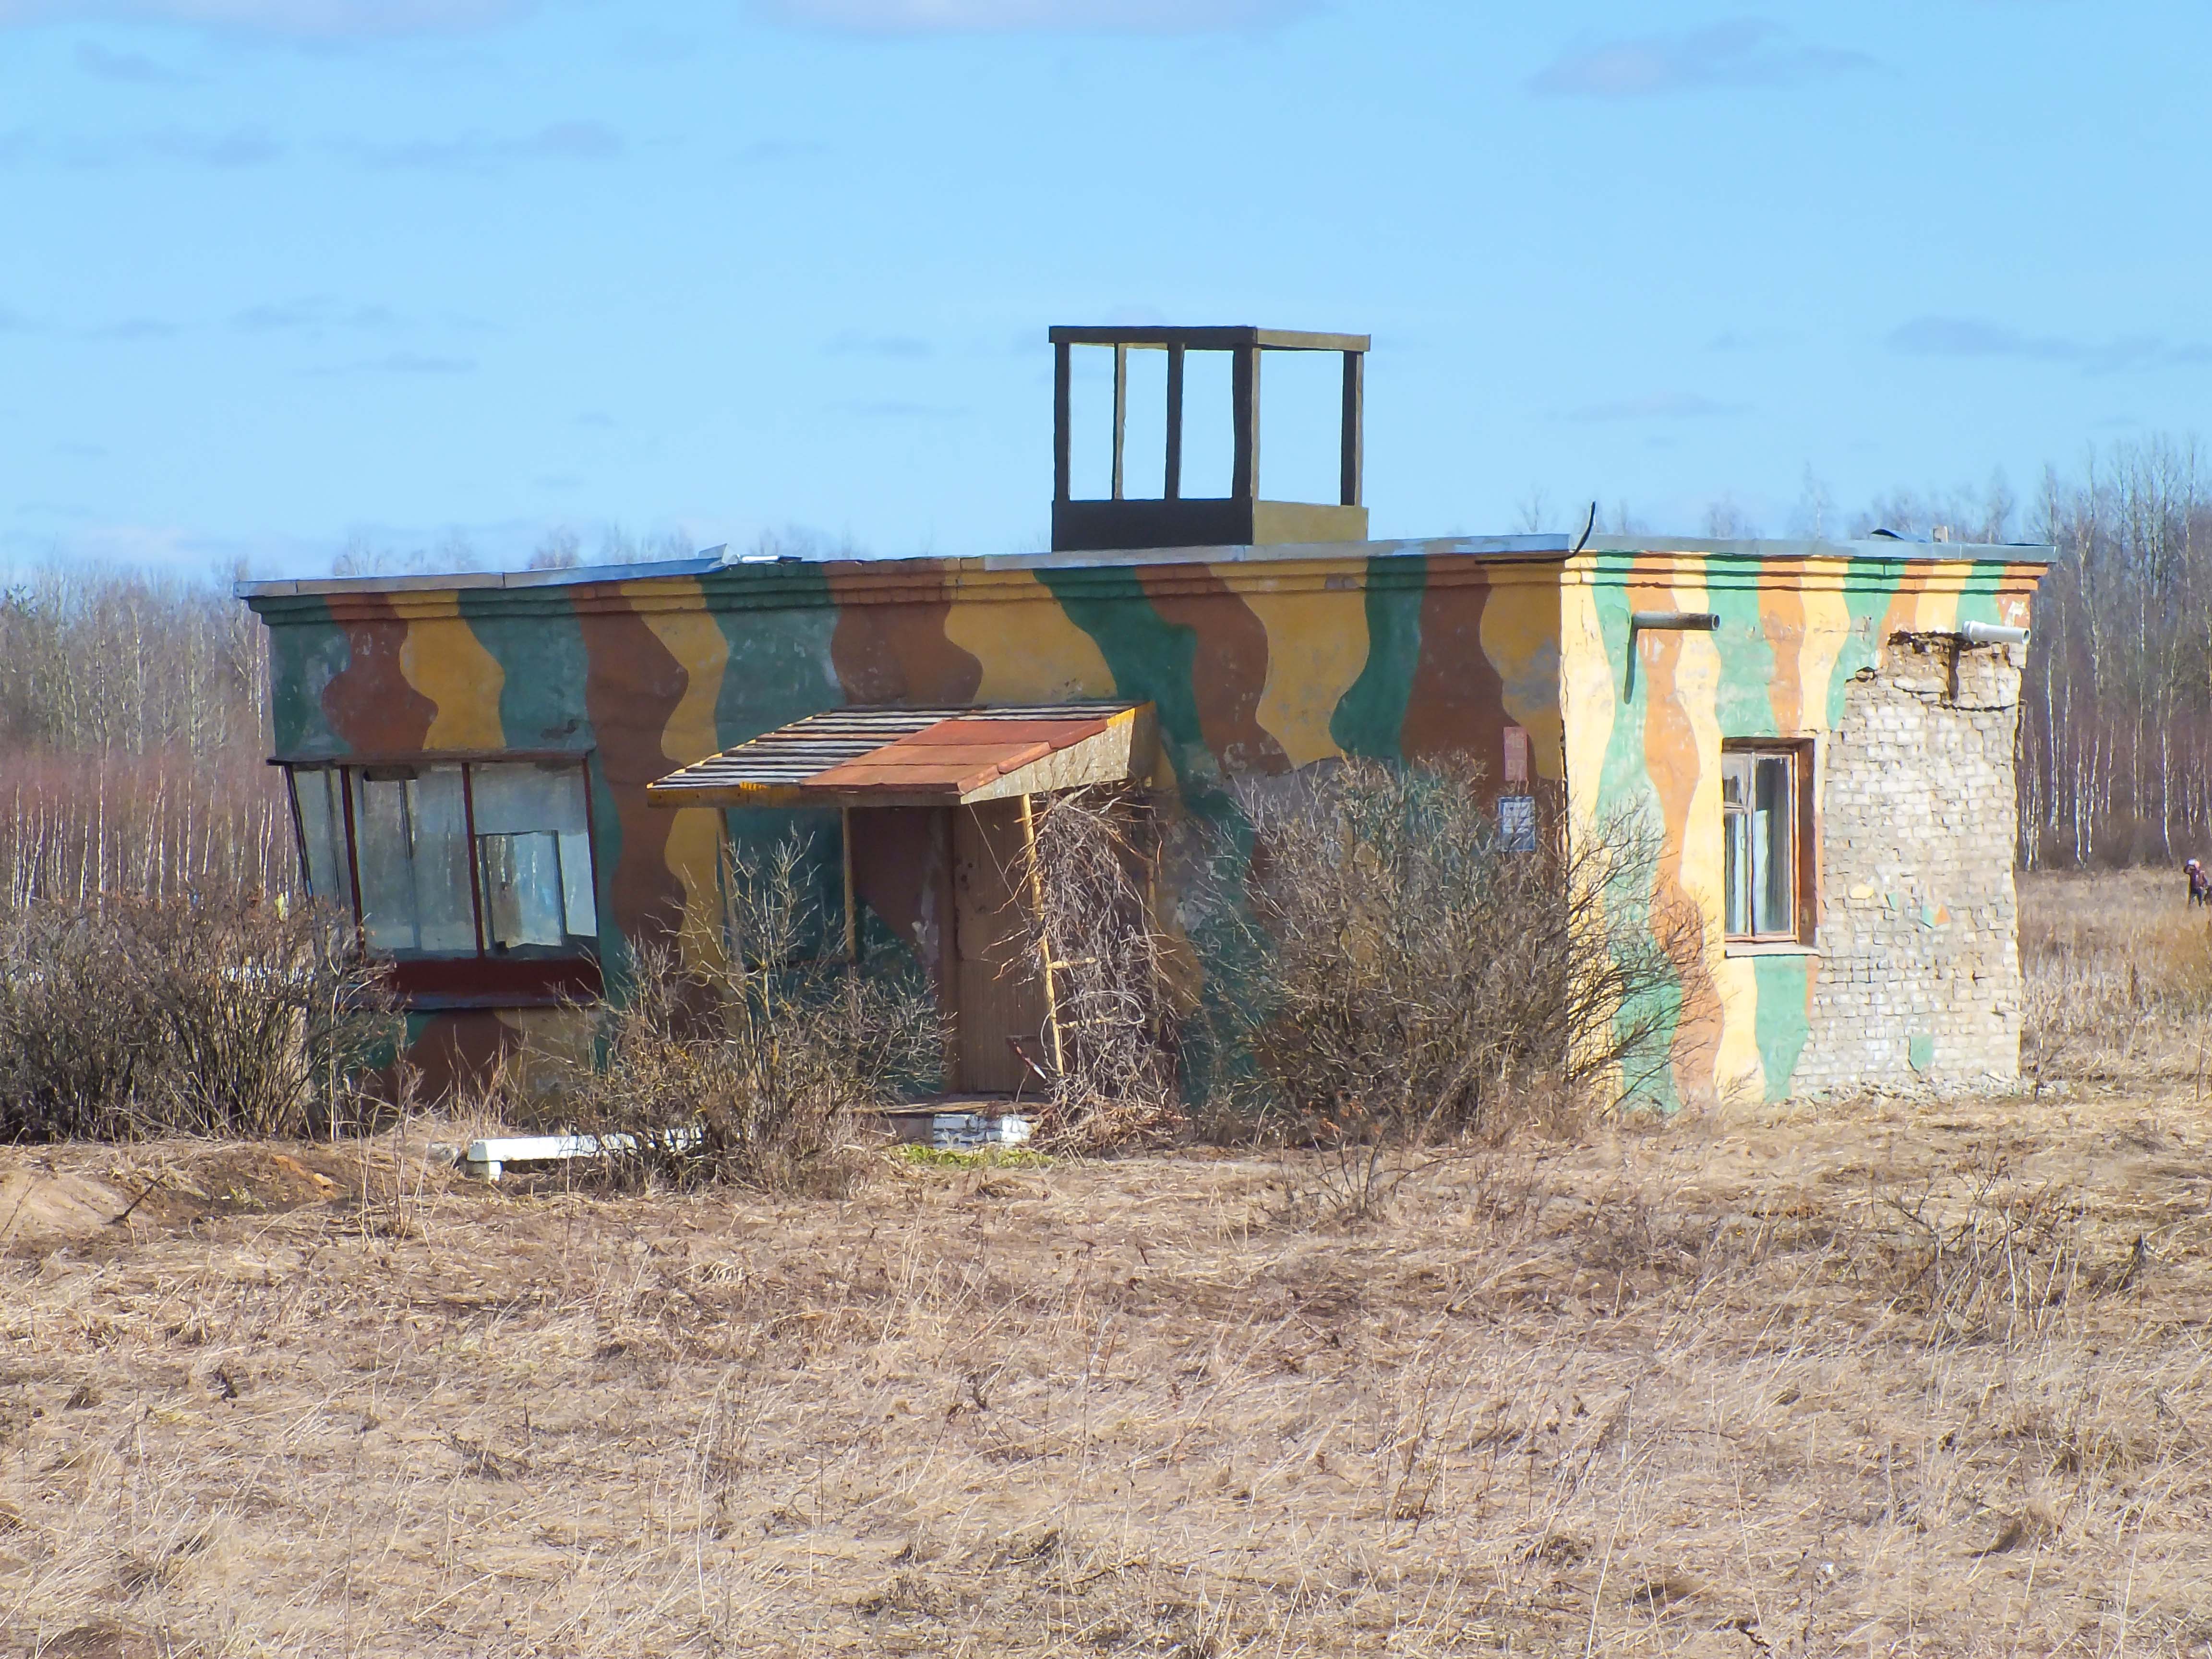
750, 1067
1087, 883
1399, 974
197, 1015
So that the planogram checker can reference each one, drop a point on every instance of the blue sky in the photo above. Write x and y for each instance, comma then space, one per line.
451, 278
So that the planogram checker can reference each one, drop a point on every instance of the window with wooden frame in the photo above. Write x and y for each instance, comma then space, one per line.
1766, 832
475, 878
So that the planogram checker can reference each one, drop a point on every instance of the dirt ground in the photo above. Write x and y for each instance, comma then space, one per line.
1885, 1376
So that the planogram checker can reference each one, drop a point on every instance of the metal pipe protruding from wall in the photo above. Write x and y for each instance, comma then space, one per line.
1979, 633
1687, 621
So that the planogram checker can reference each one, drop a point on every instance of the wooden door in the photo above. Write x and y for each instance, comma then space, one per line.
999, 994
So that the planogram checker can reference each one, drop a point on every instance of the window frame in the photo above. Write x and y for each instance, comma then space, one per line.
1803, 932
481, 978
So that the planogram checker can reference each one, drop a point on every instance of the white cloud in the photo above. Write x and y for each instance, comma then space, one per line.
131, 66
242, 147
1975, 337
562, 141
982, 16
1742, 51
1665, 406
303, 19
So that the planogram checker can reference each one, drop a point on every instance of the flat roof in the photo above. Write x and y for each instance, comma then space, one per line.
1210, 339
1503, 547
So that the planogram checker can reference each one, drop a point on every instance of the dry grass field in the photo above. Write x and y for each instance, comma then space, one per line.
1890, 1376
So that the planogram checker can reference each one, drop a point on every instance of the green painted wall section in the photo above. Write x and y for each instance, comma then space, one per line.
1625, 787
1371, 717
304, 657
1782, 1026
1746, 702
779, 670
1151, 659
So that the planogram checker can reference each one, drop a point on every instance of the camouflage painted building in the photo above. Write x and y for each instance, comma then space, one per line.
1821, 731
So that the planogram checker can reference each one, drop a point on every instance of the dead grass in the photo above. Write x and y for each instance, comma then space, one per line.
2119, 981
1709, 1389
1886, 1376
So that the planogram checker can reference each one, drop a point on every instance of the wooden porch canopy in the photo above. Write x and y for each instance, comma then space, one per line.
922, 757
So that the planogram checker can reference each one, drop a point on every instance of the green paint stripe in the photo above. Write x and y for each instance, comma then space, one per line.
305, 655
1151, 660
1370, 719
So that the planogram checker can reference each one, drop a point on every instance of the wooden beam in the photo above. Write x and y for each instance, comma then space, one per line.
852, 900
1209, 339
1173, 489
1355, 397
1060, 420
1244, 397
1120, 413
1044, 942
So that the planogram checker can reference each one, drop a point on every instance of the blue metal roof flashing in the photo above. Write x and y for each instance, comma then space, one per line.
1882, 548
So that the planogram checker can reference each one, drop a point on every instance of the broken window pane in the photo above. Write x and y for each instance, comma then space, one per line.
321, 811
1736, 846
381, 842
1758, 845
576, 897
522, 890
1773, 808
533, 826
410, 837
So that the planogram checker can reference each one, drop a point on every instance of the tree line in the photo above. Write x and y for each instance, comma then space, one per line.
133, 706
2115, 743
132, 710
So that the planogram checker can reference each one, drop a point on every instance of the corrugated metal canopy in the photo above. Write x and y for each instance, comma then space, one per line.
922, 757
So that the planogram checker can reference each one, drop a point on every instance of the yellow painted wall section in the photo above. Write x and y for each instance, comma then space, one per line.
695, 837
1927, 602
1589, 700
1316, 647
444, 660
1737, 1065
1827, 629
1679, 677
1030, 650
1521, 628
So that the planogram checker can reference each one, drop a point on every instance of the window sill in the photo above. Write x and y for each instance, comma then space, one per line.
494, 981
1764, 947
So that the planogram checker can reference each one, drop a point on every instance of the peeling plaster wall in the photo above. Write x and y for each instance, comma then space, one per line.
1918, 978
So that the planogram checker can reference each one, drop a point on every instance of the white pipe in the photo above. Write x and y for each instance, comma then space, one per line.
1977, 633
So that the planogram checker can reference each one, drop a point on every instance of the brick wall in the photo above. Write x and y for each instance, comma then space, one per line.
1918, 981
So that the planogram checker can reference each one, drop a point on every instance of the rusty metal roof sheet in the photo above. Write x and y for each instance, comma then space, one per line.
901, 756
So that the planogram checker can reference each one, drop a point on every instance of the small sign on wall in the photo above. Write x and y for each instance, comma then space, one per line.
1517, 754
1517, 823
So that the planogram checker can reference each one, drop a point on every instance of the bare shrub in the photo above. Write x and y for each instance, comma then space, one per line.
749, 1069
1398, 975
1982, 1256
1087, 881
206, 1017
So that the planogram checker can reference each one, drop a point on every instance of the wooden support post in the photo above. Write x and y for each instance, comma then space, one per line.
1060, 400
1244, 395
1173, 490
1355, 375
1120, 413
1044, 942
851, 904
